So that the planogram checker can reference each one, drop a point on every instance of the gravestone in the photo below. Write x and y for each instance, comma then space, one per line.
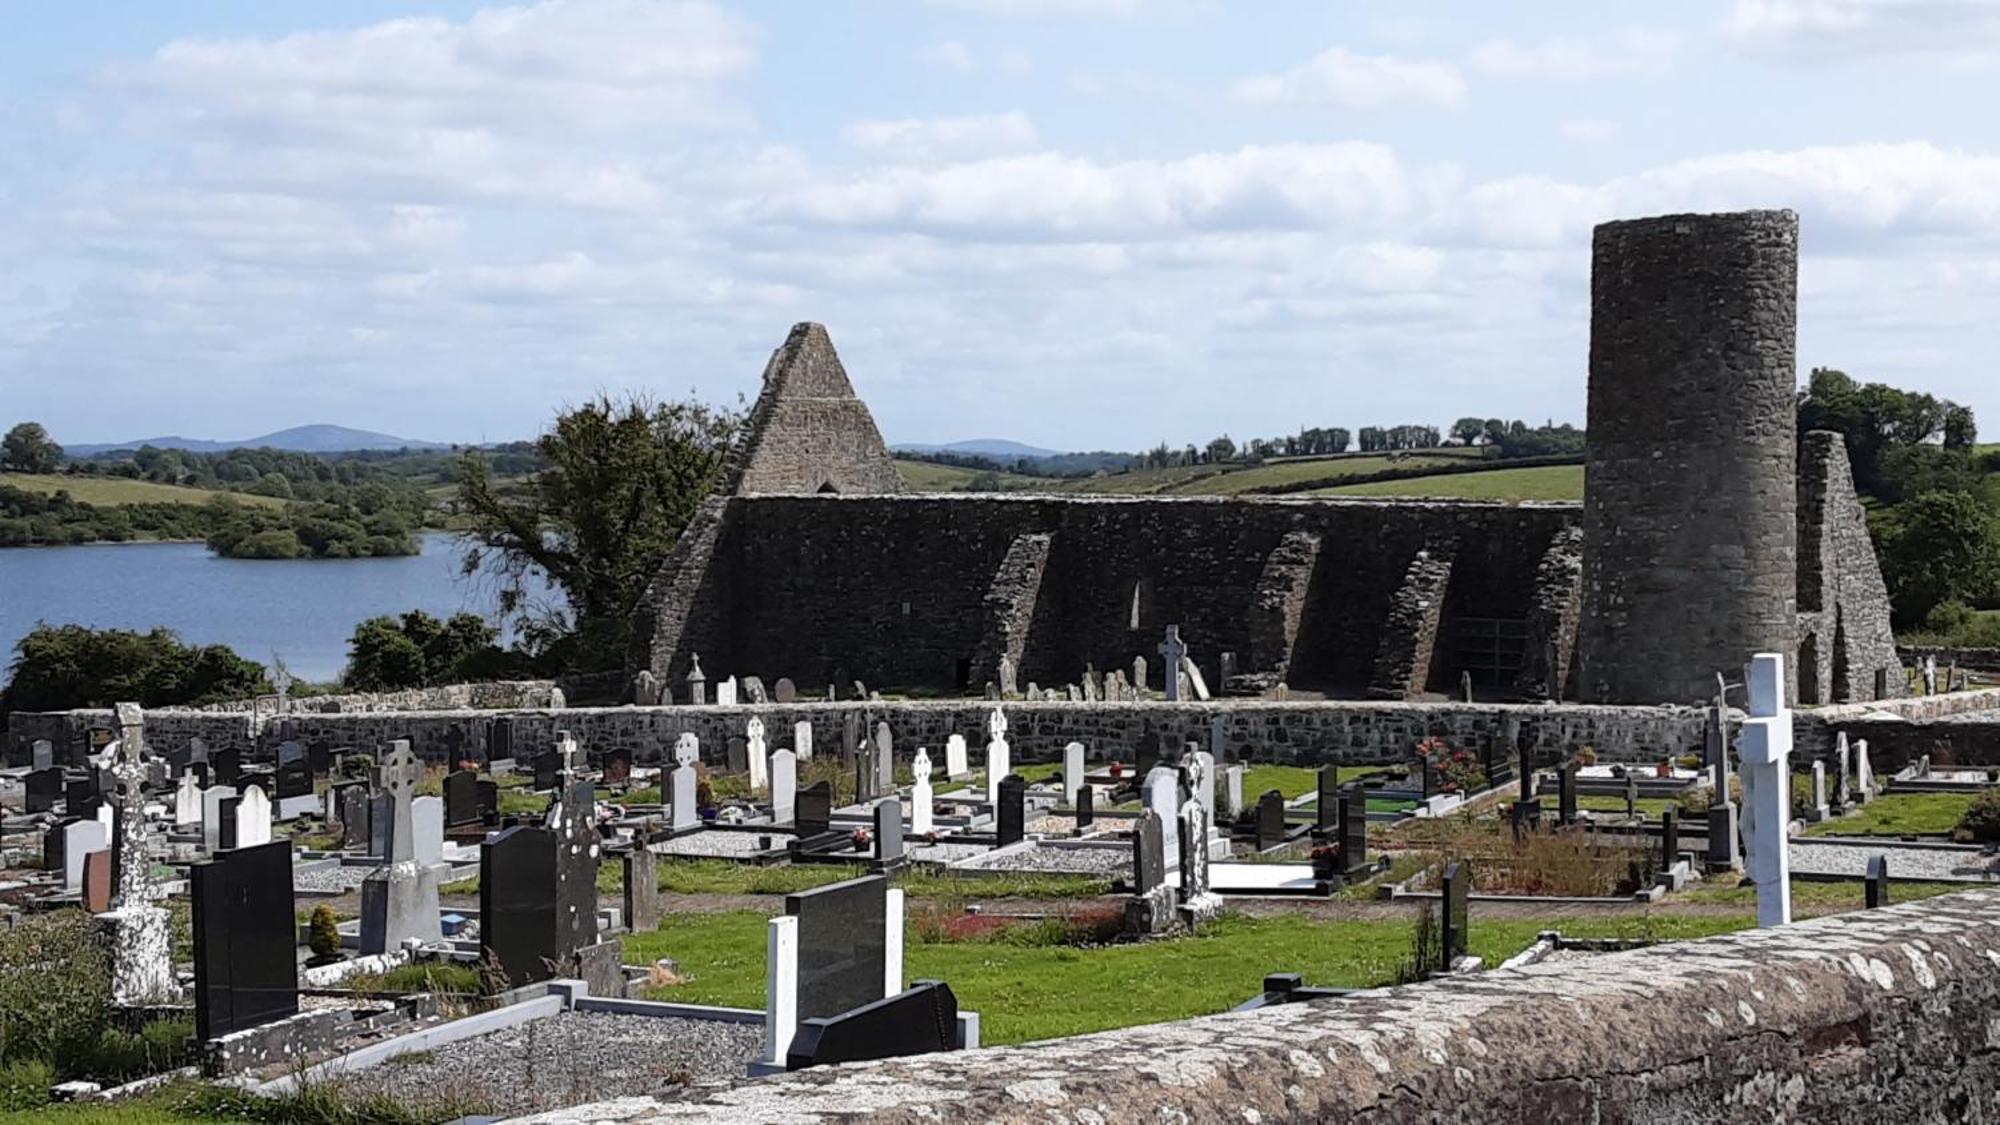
681, 813
864, 778
213, 817
187, 802
1270, 820
80, 797
461, 798
1086, 806
1010, 816
885, 759
548, 770
1149, 854
784, 786
920, 793
1764, 747
1353, 828
736, 754
1843, 795
579, 846
753, 691
1864, 771
645, 689
785, 690
1198, 901
1457, 884
843, 945
1327, 810
1200, 768
999, 756
138, 926
41, 789
427, 825
1877, 887
253, 819
96, 890
802, 739
1160, 792
617, 767
226, 812
1009, 683
1072, 773
399, 900
1566, 794
381, 824
725, 692
1173, 652
642, 888
78, 839
294, 797
42, 755
814, 814
1670, 839
888, 834
1139, 677
955, 765
1631, 795
917, 1021
850, 744
697, 684
500, 740
489, 802
517, 904
245, 968
1229, 799
756, 754
1818, 810
319, 759
1146, 752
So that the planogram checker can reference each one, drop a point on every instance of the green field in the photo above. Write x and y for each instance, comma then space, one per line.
1293, 472
923, 476
112, 491
1025, 992
1540, 482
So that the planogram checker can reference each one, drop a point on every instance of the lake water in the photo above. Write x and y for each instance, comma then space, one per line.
303, 610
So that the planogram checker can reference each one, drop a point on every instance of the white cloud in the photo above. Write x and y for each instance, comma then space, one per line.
1622, 54
930, 139
1589, 132
1830, 30
1046, 7
1340, 78
949, 54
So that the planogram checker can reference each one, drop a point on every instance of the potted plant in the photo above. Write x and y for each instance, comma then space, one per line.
323, 936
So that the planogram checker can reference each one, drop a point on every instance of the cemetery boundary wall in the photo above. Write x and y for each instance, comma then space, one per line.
1306, 733
1881, 1015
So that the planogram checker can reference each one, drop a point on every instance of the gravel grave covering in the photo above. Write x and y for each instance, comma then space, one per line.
567, 1059
945, 852
329, 880
720, 844
1809, 858
1075, 861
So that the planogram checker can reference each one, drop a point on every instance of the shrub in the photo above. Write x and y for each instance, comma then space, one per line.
55, 985
24, 1084
323, 933
1981, 822
121, 1055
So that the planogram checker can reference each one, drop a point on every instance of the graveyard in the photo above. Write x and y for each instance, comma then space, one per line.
1442, 808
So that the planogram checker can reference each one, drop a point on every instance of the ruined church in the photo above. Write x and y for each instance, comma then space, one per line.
1708, 531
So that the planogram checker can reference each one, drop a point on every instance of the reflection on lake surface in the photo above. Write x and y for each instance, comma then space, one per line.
301, 609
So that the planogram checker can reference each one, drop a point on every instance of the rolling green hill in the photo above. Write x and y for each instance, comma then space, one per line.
924, 476
1541, 482
107, 492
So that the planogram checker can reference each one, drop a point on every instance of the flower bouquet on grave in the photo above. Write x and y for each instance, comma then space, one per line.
704, 799
1665, 768
863, 839
1326, 861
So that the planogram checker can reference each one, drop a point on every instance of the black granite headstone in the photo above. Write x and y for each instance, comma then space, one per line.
812, 810
1354, 827
843, 945
739, 754
517, 904
1270, 820
1086, 805
54, 844
489, 801
1149, 852
319, 759
1327, 816
917, 1021
500, 740
1670, 838
295, 779
864, 778
80, 798
225, 810
548, 770
1526, 771
226, 765
461, 798
1457, 881
1566, 794
381, 825
578, 847
41, 789
1011, 818
888, 833
1877, 887
1526, 817
245, 965
1145, 753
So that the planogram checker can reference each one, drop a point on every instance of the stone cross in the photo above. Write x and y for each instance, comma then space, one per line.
400, 774
999, 758
141, 930
920, 792
282, 681
566, 747
1173, 650
1843, 796
1765, 747
754, 731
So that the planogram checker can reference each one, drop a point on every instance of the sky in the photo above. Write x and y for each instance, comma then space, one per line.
1080, 224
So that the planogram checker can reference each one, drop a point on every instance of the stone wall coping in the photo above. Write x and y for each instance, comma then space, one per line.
1085, 499
1887, 1009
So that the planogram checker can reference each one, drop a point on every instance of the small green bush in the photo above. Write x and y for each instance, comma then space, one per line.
323, 932
122, 1055
55, 985
24, 1084
426, 977
1981, 822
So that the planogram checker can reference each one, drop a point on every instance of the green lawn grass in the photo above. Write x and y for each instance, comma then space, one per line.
1899, 814
1650, 807
1539, 482
1809, 892
1025, 992
112, 491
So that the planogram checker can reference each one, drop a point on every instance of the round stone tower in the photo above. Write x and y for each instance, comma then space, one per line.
1690, 503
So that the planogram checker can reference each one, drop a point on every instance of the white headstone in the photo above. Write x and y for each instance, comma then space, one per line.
1819, 798
253, 818
1765, 747
1201, 774
784, 786
955, 765
781, 988
427, 826
1231, 798
1864, 773
999, 758
680, 803
187, 802
1195, 679
1161, 793
1072, 771
755, 753
920, 793
79, 840
44, 754
725, 693
892, 952
802, 739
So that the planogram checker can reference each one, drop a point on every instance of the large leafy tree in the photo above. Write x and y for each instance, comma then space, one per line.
1878, 420
1941, 547
27, 448
60, 667
418, 650
624, 477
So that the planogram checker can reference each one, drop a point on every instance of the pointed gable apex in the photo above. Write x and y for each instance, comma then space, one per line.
809, 432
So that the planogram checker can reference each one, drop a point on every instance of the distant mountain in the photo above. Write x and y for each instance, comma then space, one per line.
997, 448
299, 439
